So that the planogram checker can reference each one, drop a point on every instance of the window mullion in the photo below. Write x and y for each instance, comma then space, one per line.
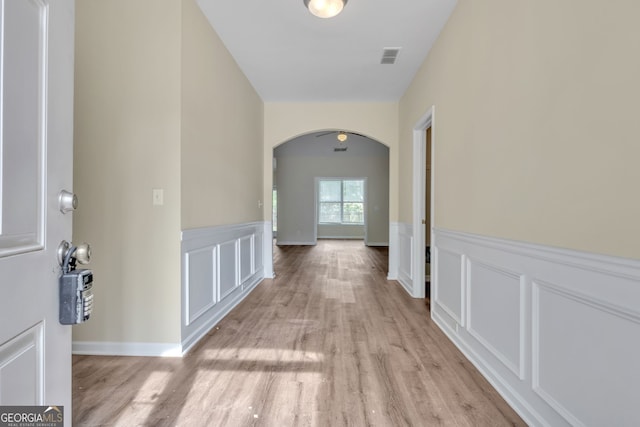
341, 201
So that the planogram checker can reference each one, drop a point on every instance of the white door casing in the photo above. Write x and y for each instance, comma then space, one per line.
36, 154
419, 195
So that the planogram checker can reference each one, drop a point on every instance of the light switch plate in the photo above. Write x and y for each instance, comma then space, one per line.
158, 197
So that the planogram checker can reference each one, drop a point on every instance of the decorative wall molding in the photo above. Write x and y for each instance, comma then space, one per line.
198, 305
216, 316
247, 265
405, 257
220, 266
264, 256
488, 281
451, 298
394, 238
553, 330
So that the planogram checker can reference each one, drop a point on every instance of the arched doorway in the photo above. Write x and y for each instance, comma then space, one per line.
303, 163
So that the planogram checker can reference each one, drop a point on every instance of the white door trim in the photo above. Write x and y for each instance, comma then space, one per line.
419, 194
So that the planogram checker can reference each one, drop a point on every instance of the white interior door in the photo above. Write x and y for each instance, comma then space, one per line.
36, 123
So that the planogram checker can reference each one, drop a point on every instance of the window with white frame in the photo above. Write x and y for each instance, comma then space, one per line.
341, 201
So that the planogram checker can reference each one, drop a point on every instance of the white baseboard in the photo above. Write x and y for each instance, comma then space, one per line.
553, 330
378, 244
101, 348
407, 286
341, 237
293, 243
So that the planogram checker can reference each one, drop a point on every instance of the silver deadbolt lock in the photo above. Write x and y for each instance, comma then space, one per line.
67, 201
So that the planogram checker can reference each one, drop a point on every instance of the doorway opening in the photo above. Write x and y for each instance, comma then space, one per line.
427, 223
355, 203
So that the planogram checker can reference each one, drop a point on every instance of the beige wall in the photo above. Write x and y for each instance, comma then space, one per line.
296, 183
222, 131
284, 121
535, 124
127, 134
159, 104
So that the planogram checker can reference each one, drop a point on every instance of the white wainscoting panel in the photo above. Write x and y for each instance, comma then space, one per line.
258, 250
394, 238
246, 258
201, 282
265, 260
500, 329
589, 350
450, 296
228, 264
405, 257
220, 266
555, 331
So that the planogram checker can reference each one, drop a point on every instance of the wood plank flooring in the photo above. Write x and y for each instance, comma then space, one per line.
328, 342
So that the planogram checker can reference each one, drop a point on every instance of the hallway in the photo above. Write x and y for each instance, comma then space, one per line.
328, 342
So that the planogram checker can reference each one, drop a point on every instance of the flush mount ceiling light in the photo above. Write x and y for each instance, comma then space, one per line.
341, 135
325, 8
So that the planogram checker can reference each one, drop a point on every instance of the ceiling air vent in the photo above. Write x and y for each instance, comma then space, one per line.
339, 149
389, 55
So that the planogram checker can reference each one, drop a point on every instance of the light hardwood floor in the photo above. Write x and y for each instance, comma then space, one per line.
329, 342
